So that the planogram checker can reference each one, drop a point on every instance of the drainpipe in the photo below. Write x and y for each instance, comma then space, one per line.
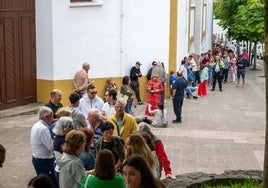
122, 39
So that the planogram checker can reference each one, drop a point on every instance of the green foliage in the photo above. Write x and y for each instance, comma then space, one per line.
249, 183
243, 19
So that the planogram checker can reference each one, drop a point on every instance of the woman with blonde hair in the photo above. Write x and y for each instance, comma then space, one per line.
136, 144
104, 174
154, 89
71, 169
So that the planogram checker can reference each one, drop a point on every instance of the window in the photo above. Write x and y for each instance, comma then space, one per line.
85, 3
80, 1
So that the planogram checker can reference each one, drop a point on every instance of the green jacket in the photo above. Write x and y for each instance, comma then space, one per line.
118, 148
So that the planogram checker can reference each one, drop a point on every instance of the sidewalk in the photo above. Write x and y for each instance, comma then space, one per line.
225, 130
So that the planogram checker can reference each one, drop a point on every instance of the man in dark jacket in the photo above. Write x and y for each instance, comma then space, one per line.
178, 95
135, 73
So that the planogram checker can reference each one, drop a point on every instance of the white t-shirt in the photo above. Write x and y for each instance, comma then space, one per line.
108, 109
159, 118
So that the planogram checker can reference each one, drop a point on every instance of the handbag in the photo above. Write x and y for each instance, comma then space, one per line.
122, 97
86, 182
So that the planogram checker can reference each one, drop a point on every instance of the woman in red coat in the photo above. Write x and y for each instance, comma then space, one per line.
159, 149
154, 89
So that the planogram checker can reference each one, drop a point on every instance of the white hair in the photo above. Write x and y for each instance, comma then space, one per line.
61, 125
44, 112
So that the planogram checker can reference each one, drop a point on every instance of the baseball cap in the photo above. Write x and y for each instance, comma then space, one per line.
138, 63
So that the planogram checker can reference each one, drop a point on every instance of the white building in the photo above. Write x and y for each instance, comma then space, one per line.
112, 35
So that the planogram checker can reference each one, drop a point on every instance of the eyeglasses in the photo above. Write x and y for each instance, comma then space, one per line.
93, 93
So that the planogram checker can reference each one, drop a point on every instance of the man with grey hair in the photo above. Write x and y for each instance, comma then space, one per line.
54, 103
96, 122
124, 123
42, 145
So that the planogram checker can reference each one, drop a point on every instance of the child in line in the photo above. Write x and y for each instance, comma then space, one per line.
160, 115
202, 88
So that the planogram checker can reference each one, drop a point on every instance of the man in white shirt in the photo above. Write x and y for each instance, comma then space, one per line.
108, 107
42, 145
90, 101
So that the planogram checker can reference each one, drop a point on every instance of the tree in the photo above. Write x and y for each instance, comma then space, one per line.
243, 19
265, 165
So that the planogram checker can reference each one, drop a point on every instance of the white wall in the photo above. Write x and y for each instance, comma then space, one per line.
86, 34
111, 37
147, 32
182, 30
201, 43
111, 43
44, 48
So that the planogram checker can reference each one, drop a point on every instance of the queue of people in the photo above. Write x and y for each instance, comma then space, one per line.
94, 144
68, 146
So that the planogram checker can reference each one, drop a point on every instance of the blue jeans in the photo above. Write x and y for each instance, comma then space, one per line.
128, 108
190, 90
47, 167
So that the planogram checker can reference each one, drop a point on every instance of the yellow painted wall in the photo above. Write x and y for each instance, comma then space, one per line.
44, 87
172, 41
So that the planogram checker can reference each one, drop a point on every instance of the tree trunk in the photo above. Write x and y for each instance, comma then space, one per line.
255, 56
265, 165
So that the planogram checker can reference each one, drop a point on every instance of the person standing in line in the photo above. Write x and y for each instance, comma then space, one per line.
124, 123
245, 56
54, 102
217, 68
90, 101
178, 96
241, 70
159, 149
159, 70
71, 168
225, 69
113, 143
42, 145
108, 107
137, 173
62, 127
232, 65
172, 79
104, 174
80, 80
79, 119
202, 87
2, 155
149, 73
127, 90
40, 181
135, 73
96, 122
154, 89
87, 157
136, 144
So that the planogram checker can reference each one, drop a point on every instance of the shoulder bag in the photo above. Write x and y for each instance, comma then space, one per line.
87, 180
